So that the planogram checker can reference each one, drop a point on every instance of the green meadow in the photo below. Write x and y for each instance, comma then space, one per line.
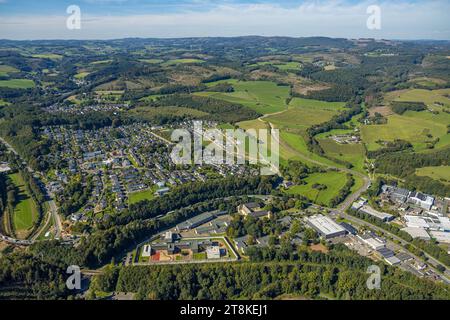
265, 97
438, 173
334, 181
141, 195
181, 61
25, 210
17, 83
415, 127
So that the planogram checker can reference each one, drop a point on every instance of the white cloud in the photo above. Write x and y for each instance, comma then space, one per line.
400, 20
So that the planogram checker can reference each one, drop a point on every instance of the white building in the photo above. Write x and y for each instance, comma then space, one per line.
213, 252
326, 226
147, 250
417, 233
423, 200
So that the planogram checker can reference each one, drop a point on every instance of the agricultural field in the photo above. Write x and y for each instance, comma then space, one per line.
25, 210
81, 75
334, 182
265, 97
304, 113
419, 128
438, 173
181, 61
352, 153
50, 56
17, 83
427, 82
5, 70
429, 97
152, 61
3, 103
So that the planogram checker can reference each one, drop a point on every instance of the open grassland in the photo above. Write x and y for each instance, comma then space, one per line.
152, 61
304, 113
415, 127
293, 147
429, 97
3, 103
352, 153
438, 173
334, 181
51, 56
81, 75
428, 82
265, 97
101, 62
17, 83
181, 61
25, 211
5, 70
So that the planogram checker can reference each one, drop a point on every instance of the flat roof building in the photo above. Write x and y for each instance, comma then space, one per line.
385, 217
417, 233
327, 227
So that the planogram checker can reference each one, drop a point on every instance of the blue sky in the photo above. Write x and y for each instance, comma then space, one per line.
106, 19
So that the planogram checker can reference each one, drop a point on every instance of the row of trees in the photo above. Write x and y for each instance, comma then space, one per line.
340, 274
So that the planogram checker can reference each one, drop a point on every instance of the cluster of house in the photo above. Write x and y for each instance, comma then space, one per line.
346, 139
79, 109
172, 243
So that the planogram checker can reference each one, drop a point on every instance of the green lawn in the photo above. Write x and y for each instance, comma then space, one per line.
17, 83
141, 195
438, 173
265, 97
25, 211
334, 181
5, 70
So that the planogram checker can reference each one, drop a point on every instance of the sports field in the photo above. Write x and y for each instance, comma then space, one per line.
25, 211
17, 83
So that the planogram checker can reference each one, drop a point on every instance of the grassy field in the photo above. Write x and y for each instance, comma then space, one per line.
152, 61
25, 211
334, 181
48, 56
429, 97
3, 103
17, 83
414, 127
304, 113
5, 70
265, 97
353, 153
181, 61
81, 75
439, 173
141, 195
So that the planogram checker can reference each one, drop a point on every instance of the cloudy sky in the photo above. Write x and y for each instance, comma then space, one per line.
109, 19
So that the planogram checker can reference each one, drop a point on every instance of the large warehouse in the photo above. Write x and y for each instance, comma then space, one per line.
326, 226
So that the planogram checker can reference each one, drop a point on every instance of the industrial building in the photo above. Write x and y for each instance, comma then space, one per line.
326, 226
385, 217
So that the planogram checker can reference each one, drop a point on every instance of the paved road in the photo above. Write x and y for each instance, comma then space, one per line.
51, 203
431, 261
